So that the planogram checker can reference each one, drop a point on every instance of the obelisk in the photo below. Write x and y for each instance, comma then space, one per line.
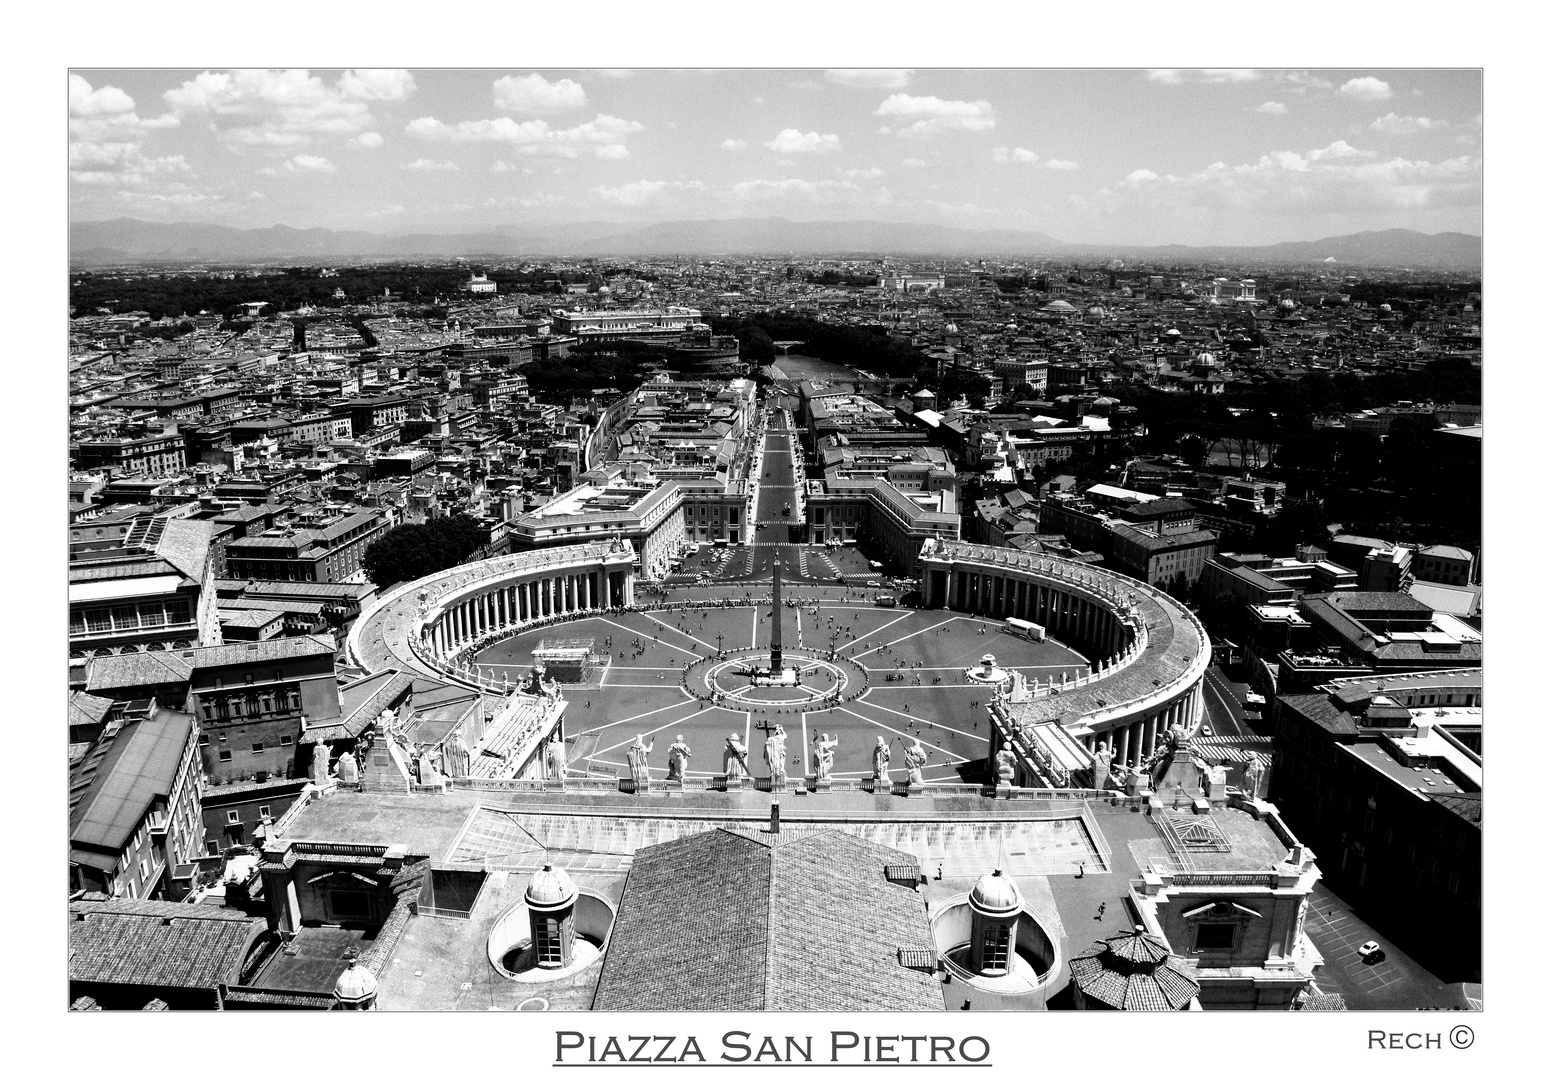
775, 616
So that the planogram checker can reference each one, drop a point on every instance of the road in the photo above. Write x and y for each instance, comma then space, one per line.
1224, 712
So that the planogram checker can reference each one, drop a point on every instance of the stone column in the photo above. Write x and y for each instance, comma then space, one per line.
1124, 751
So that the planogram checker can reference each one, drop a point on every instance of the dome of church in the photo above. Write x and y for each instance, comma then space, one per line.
550, 887
1096, 311
1288, 305
995, 894
1058, 305
1385, 309
1171, 333
951, 328
356, 983
1206, 358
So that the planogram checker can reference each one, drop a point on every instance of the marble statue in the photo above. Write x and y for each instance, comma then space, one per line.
678, 759
455, 756
557, 759
915, 760
1102, 760
775, 756
1005, 766
1254, 776
735, 759
320, 764
347, 770
1177, 736
880, 762
429, 775
824, 754
639, 771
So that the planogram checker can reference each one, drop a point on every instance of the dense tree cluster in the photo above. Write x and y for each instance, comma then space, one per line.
408, 552
870, 348
834, 278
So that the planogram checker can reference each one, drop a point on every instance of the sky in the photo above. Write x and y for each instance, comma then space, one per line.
1143, 156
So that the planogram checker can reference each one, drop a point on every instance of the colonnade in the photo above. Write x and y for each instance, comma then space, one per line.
1133, 743
511, 605
1086, 623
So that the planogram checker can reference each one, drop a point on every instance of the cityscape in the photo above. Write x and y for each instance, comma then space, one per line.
900, 554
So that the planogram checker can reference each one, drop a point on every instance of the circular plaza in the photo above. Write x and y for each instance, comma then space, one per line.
1083, 658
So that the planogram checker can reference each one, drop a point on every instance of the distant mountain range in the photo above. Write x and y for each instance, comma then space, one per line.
127, 240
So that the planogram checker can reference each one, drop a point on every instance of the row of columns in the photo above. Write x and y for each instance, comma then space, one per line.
515, 605
1134, 742
1069, 616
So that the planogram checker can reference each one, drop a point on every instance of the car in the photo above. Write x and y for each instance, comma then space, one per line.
885, 601
1370, 952
1206, 729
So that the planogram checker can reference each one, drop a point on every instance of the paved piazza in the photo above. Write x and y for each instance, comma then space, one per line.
896, 673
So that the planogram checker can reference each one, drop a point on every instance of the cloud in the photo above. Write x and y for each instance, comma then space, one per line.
367, 140
1060, 165
391, 210
648, 192
286, 108
1366, 88
427, 165
1394, 124
1018, 155
792, 141
106, 101
377, 84
931, 116
807, 193
734, 145
1176, 76
536, 94
301, 164
873, 173
871, 78
1272, 108
106, 136
913, 163
603, 136
1301, 82
1332, 179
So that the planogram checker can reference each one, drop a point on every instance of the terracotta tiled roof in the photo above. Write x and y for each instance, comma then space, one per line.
155, 943
743, 920
1135, 972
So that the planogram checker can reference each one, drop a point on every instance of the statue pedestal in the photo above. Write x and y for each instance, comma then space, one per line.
822, 783
1003, 790
673, 788
554, 785
914, 789
746, 783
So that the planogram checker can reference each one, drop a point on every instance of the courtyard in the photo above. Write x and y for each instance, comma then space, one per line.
866, 672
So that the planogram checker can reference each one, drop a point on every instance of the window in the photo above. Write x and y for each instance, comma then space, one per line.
233, 817
204, 740
212, 847
994, 958
264, 812
1214, 936
258, 748
225, 755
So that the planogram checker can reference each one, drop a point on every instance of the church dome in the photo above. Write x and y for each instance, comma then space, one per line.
1385, 309
1058, 305
550, 888
1288, 305
995, 894
356, 984
1205, 358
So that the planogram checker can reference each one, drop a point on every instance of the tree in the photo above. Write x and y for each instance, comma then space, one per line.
408, 552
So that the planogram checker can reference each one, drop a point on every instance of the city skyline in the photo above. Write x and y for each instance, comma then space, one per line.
1202, 157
